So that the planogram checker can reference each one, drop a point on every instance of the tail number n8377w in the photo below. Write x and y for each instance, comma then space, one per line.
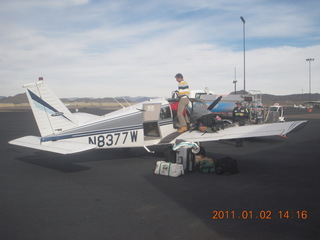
113, 139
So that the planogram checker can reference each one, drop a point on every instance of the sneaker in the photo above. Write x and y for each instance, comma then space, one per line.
183, 129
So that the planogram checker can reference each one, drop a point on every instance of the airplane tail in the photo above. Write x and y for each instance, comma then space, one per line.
51, 115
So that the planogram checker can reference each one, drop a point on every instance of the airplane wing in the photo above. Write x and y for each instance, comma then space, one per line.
248, 131
62, 146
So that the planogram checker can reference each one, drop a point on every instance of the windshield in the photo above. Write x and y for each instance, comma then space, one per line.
197, 108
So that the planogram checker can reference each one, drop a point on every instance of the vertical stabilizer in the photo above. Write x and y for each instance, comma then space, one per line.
51, 115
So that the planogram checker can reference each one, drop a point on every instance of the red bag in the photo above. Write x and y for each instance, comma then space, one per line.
174, 108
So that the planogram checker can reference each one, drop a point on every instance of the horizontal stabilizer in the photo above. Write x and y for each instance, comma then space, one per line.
62, 147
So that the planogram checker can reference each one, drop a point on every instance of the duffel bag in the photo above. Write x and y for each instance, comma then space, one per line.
169, 169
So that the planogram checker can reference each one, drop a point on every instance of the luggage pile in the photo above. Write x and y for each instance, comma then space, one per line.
224, 165
183, 161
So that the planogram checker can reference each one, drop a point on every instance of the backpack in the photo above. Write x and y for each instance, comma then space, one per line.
226, 166
210, 122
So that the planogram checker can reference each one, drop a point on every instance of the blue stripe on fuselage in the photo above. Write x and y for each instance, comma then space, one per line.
96, 132
91, 133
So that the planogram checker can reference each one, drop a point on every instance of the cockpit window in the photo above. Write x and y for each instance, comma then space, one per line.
198, 95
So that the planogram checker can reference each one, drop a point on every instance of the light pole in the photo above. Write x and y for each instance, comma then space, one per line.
244, 54
235, 87
235, 81
309, 60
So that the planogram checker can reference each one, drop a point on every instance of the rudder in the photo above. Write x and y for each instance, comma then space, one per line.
51, 115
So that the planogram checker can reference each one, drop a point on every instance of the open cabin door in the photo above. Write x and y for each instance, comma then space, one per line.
151, 113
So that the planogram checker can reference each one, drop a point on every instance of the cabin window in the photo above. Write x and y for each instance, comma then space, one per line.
199, 95
165, 113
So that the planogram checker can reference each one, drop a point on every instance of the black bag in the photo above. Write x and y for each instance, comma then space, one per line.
211, 122
170, 155
206, 120
226, 166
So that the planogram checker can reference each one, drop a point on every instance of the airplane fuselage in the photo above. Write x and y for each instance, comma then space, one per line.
139, 125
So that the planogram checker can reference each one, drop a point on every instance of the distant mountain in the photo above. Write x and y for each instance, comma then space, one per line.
288, 100
240, 92
22, 98
91, 100
17, 99
285, 100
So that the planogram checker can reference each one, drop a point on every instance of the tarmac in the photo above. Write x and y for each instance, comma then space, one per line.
114, 194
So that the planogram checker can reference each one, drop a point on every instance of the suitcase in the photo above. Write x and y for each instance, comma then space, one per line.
185, 157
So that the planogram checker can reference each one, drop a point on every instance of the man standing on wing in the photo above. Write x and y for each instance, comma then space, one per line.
183, 94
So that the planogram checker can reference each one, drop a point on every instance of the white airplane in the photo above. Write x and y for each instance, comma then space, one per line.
141, 125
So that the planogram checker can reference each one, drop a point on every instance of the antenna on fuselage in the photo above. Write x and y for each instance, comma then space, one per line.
119, 103
126, 101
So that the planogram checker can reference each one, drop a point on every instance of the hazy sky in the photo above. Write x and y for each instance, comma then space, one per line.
103, 48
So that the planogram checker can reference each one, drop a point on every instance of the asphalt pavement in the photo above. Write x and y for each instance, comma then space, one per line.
114, 194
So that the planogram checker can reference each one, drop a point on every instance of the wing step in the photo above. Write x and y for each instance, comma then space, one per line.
170, 137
